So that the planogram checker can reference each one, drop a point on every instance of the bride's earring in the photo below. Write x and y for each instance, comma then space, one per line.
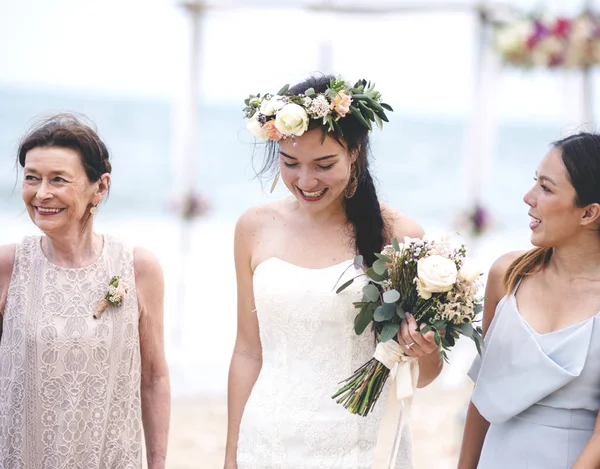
275, 180
94, 210
352, 183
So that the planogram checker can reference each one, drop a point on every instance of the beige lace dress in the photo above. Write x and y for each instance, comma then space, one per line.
69, 384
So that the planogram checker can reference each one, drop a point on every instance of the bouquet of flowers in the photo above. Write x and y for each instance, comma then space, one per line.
548, 41
433, 281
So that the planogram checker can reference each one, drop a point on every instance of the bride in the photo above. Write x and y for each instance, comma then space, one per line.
295, 337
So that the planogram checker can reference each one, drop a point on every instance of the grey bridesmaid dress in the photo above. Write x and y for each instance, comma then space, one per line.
540, 392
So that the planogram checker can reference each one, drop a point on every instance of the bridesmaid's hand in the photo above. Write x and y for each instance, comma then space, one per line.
413, 343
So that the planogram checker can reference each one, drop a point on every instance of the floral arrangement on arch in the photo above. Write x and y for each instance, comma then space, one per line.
287, 115
546, 41
475, 222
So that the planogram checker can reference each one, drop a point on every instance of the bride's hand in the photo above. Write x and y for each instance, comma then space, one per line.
413, 343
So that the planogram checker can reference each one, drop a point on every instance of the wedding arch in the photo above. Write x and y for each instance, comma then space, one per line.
502, 37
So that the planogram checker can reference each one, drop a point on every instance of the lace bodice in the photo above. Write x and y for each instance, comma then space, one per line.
69, 384
308, 346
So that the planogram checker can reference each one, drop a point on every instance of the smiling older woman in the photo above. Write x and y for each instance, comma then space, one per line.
75, 391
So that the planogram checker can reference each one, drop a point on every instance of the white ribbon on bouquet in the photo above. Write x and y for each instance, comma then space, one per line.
404, 372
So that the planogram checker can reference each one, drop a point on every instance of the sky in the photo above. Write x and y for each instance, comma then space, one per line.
423, 63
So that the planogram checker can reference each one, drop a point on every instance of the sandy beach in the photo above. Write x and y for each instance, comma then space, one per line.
198, 428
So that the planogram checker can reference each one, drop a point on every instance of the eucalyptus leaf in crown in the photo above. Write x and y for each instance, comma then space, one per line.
284, 115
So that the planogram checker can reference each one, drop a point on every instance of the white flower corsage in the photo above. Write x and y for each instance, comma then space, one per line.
114, 296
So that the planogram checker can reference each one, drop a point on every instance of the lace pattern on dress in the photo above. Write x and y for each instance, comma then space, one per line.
309, 345
69, 384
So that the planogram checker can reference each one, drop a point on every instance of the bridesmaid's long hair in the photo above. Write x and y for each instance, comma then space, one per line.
362, 210
581, 156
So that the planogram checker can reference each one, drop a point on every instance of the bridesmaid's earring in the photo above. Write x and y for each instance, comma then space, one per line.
94, 210
275, 180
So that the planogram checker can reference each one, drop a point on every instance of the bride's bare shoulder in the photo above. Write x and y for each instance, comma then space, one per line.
400, 225
255, 220
259, 215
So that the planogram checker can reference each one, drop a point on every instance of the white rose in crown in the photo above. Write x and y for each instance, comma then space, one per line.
292, 119
435, 274
270, 106
255, 128
469, 271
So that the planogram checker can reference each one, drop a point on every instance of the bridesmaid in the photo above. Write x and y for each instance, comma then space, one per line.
537, 394
78, 383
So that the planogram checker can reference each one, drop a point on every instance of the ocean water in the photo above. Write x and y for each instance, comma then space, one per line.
417, 161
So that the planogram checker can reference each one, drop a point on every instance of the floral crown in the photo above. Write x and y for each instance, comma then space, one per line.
285, 115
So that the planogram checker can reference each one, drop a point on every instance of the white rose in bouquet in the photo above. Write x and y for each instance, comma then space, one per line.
469, 271
435, 274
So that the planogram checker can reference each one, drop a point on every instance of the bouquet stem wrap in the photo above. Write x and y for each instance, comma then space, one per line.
404, 372
101, 308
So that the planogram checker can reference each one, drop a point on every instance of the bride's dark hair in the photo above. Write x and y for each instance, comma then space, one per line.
362, 210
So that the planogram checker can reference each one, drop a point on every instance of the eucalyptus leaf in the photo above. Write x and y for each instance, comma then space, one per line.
364, 318
365, 108
380, 266
384, 312
389, 332
359, 117
467, 329
323, 135
439, 325
395, 244
345, 285
374, 104
391, 296
479, 344
384, 258
375, 276
358, 261
425, 329
371, 292
387, 106
309, 92
400, 312
283, 90
478, 308
337, 127
382, 115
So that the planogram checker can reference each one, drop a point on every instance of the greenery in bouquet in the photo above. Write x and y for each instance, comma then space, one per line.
433, 281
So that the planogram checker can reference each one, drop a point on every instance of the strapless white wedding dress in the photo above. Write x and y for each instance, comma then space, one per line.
309, 345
